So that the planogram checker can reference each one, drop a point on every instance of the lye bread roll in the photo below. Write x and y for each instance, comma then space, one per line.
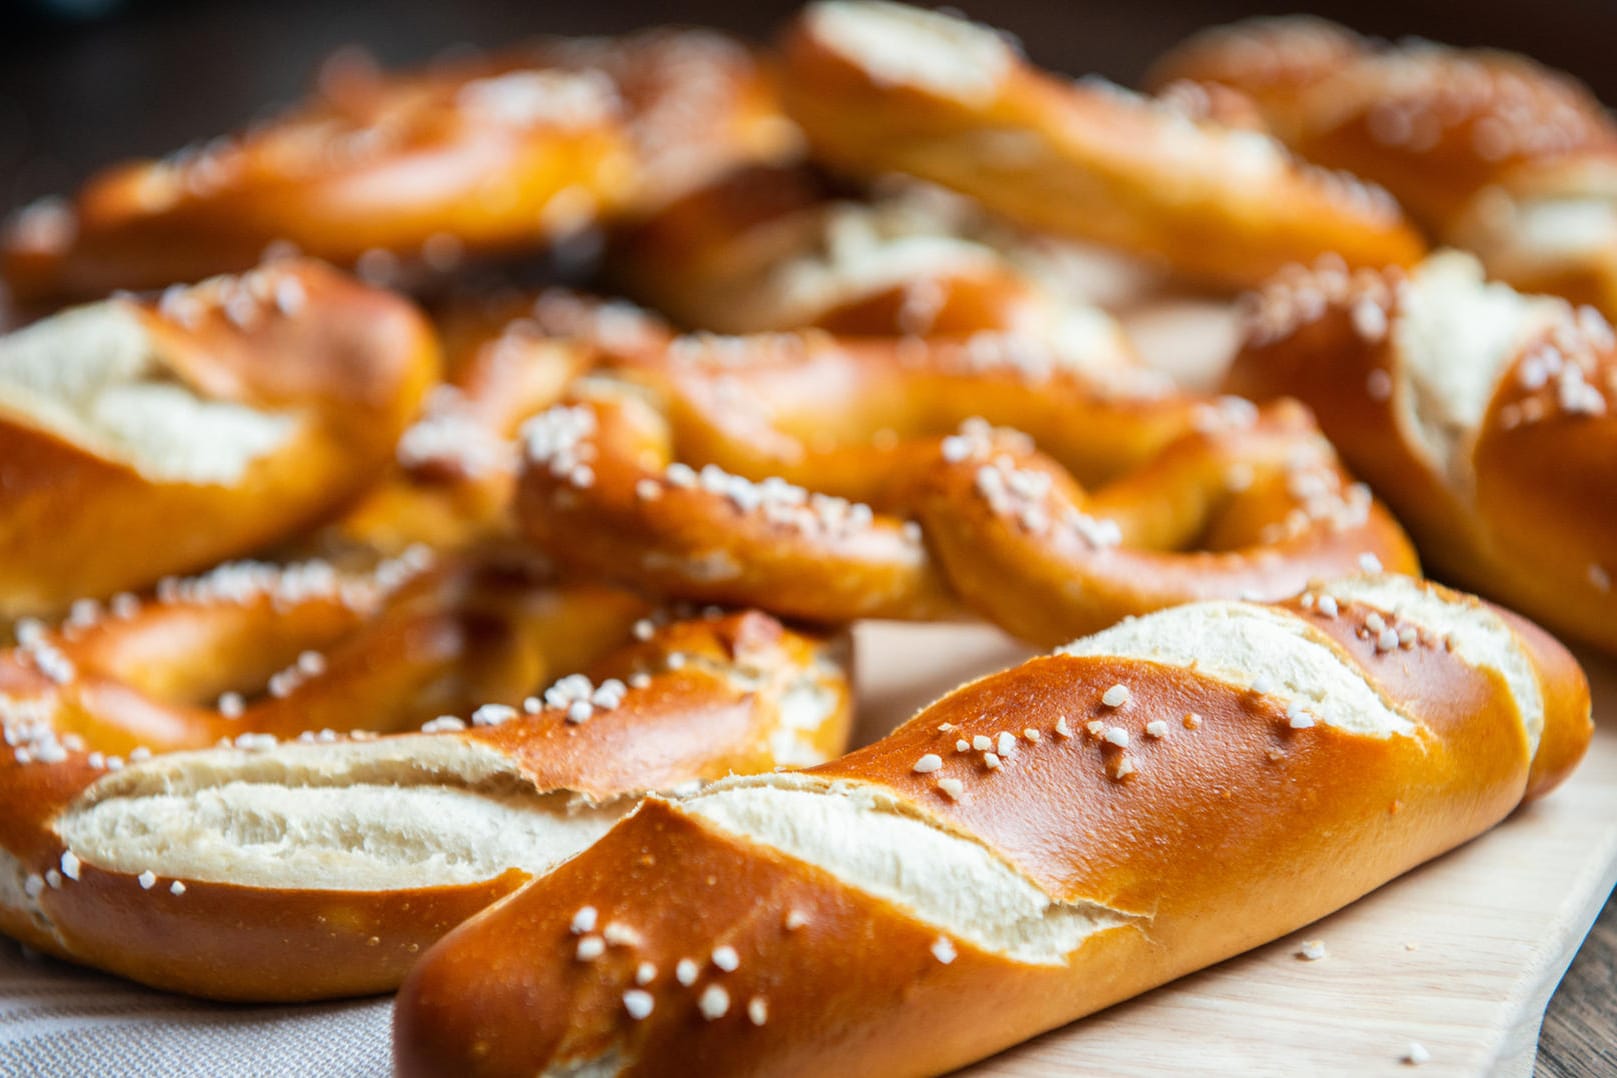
1035, 846
322, 865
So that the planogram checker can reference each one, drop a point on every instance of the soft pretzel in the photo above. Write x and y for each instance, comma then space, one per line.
901, 522
880, 87
430, 165
491, 155
1483, 417
259, 648
1033, 847
1488, 149
322, 866
142, 438
768, 249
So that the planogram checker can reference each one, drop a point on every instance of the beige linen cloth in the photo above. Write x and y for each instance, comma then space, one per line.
59, 1021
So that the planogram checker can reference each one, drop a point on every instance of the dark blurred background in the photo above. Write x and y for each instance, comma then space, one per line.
85, 82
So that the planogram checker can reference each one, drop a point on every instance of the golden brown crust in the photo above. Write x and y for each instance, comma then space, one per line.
1091, 161
1526, 518
1227, 833
346, 363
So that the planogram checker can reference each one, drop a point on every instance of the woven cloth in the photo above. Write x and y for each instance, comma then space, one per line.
58, 1021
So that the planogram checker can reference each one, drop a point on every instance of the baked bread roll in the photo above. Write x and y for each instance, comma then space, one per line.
880, 87
308, 858
1482, 416
1037, 845
141, 438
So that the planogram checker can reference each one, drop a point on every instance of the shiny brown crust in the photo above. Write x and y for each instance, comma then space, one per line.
1227, 834
1537, 528
347, 363
703, 700
1092, 161
1192, 498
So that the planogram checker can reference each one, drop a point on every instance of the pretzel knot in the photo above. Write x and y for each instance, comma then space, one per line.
1250, 504
294, 671
506, 358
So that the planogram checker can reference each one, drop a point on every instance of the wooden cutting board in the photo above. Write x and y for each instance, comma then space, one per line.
1460, 955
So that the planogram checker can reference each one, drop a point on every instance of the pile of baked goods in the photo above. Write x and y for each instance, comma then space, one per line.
354, 583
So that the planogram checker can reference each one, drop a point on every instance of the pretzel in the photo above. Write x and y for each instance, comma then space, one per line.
902, 523
1483, 417
321, 866
144, 437
1488, 149
769, 249
369, 170
1035, 846
883, 88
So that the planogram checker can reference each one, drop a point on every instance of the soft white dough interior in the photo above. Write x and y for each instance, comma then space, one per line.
14, 889
1569, 227
360, 816
920, 233
92, 375
867, 839
871, 247
359, 838
1238, 642
804, 707
1457, 333
1480, 636
897, 44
